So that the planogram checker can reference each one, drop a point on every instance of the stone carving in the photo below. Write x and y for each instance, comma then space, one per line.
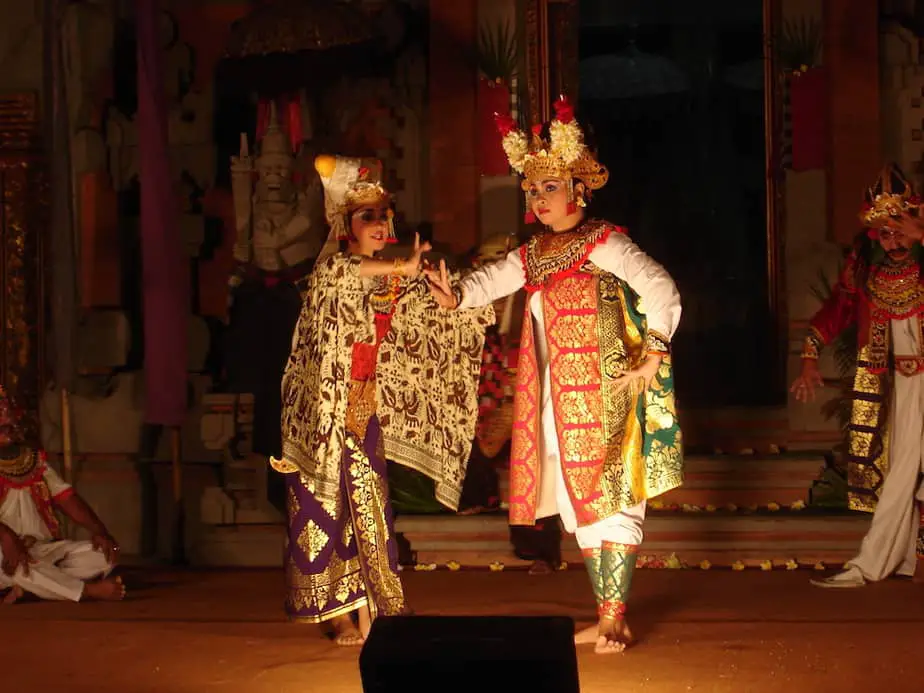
272, 216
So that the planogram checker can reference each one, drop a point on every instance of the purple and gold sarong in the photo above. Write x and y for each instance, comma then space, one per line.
341, 558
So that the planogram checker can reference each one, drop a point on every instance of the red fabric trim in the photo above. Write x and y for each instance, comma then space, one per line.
293, 109
588, 249
523, 262
612, 609
524, 451
64, 495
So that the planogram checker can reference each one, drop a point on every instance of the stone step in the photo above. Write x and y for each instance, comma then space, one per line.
722, 539
244, 545
742, 480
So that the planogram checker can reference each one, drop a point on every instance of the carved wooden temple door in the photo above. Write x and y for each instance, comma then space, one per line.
22, 222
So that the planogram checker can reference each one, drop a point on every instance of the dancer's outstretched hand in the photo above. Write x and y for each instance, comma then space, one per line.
413, 265
810, 378
438, 281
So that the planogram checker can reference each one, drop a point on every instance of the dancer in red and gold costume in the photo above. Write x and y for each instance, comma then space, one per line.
595, 432
880, 291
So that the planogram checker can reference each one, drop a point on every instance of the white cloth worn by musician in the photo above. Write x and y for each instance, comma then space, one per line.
58, 569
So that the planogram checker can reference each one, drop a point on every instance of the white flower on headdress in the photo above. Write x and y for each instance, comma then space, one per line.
566, 141
516, 147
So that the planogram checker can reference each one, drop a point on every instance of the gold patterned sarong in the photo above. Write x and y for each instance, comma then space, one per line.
617, 448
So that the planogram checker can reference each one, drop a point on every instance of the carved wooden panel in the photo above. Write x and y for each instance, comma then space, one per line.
564, 29
23, 191
536, 85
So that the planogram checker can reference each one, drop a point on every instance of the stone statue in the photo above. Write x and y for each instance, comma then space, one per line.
272, 217
275, 244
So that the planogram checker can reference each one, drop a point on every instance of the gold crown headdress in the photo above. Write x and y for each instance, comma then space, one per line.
350, 183
890, 197
563, 156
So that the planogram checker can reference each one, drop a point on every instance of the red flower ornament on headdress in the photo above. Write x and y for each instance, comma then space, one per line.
505, 124
564, 111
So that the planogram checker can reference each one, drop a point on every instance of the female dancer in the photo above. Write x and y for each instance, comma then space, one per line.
369, 376
595, 433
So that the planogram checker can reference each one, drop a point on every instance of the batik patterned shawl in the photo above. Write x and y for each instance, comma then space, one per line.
427, 377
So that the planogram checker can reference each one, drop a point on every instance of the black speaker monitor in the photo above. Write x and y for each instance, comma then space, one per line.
444, 654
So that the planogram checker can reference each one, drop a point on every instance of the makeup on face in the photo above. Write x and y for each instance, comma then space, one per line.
549, 199
369, 227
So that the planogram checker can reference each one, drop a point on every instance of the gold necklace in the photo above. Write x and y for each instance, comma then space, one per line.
896, 291
385, 295
553, 253
18, 466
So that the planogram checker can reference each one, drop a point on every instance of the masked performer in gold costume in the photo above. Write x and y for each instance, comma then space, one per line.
377, 371
595, 433
881, 292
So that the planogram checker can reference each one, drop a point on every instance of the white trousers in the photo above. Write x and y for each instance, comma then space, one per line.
623, 528
60, 570
889, 545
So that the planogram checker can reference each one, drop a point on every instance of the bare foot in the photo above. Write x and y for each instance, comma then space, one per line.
110, 589
587, 636
345, 633
14, 594
613, 637
541, 568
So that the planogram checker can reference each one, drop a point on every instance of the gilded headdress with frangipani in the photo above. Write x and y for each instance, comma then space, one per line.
560, 152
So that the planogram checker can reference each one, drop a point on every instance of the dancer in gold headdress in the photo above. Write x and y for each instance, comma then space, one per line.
880, 290
595, 433
375, 367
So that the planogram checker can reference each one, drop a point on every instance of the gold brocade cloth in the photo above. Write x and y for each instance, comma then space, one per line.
868, 433
617, 448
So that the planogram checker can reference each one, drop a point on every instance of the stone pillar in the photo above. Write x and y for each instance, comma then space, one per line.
851, 55
454, 189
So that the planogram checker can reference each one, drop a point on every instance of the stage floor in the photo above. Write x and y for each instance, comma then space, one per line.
718, 631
